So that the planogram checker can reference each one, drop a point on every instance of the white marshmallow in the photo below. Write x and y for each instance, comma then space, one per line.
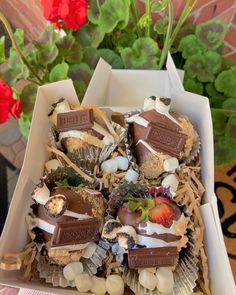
170, 181
83, 282
99, 286
88, 251
131, 176
52, 165
171, 164
147, 279
149, 103
114, 285
71, 270
41, 194
109, 166
161, 107
61, 107
122, 163
165, 280
71, 133
124, 241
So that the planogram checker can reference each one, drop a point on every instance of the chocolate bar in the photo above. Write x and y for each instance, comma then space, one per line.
152, 257
77, 120
75, 232
165, 139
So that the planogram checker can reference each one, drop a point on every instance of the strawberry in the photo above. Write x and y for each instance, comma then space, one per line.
164, 212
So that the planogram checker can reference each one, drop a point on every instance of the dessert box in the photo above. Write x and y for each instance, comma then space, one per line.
118, 90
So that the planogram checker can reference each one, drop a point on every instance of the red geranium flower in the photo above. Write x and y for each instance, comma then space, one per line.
73, 13
8, 105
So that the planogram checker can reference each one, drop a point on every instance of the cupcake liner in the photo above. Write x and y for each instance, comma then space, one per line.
194, 152
88, 157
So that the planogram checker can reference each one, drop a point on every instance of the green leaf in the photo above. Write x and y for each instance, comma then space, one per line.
24, 124
49, 36
80, 88
19, 38
80, 72
193, 85
114, 14
216, 98
219, 119
59, 72
47, 53
75, 54
225, 82
27, 97
143, 55
94, 10
64, 44
224, 152
161, 26
211, 33
204, 66
16, 69
62, 183
126, 39
159, 6
230, 131
90, 35
188, 29
190, 46
229, 104
2, 49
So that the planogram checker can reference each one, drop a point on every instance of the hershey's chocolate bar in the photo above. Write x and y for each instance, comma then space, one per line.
164, 139
77, 120
152, 257
75, 232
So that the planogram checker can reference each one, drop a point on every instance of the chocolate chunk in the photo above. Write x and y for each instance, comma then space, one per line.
118, 118
78, 120
75, 232
166, 140
152, 257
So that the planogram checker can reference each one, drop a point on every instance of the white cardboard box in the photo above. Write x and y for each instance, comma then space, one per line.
122, 90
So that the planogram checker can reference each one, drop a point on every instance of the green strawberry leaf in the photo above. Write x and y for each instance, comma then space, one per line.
27, 98
62, 183
193, 85
114, 14
203, 66
144, 214
143, 55
190, 46
90, 36
225, 82
2, 49
211, 34
59, 72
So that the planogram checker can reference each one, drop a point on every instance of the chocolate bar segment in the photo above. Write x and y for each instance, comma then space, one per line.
75, 232
152, 257
166, 140
77, 120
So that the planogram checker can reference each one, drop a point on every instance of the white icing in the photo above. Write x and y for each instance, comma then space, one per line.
76, 215
44, 225
96, 127
153, 242
71, 133
147, 146
152, 228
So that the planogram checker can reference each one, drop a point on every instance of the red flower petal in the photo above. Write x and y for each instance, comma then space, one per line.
5, 91
16, 109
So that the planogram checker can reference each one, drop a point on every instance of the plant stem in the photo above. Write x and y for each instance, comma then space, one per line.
135, 15
148, 13
15, 45
166, 45
98, 5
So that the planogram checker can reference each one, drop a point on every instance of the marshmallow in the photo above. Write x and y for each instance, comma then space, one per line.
165, 280
149, 103
147, 279
114, 285
41, 194
83, 282
52, 165
162, 105
99, 286
71, 270
131, 176
61, 107
170, 181
88, 251
110, 229
122, 163
127, 237
109, 166
171, 164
